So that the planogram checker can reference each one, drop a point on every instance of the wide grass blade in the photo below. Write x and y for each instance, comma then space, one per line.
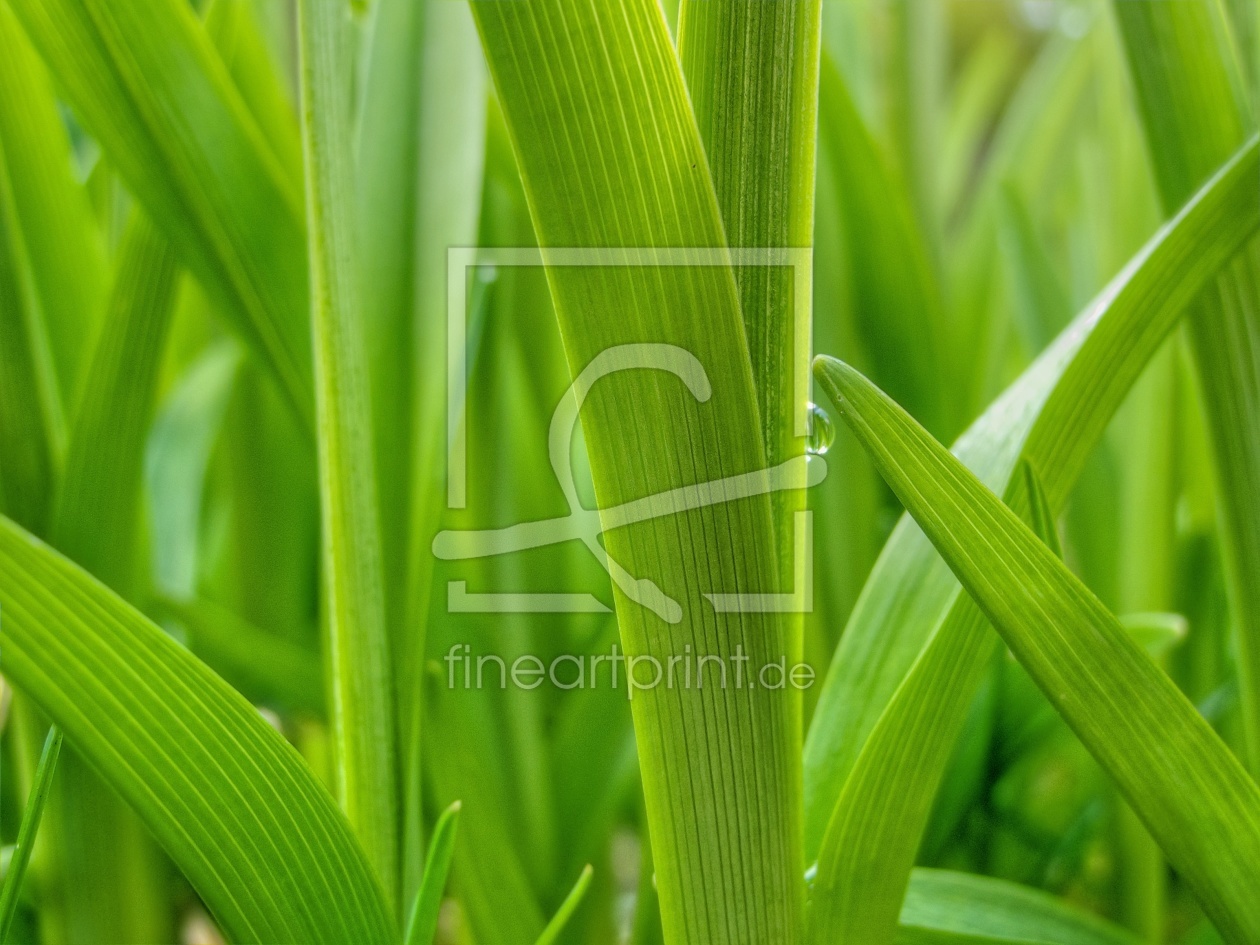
1192, 794
233, 805
144, 78
21, 858
423, 923
611, 157
353, 591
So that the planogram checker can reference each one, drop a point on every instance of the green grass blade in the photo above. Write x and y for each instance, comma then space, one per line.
105, 862
422, 926
911, 591
611, 156
264, 667
1195, 113
97, 508
147, 83
1191, 793
555, 927
353, 592
886, 693
65, 247
752, 72
947, 908
176, 461
21, 858
898, 306
32, 424
230, 801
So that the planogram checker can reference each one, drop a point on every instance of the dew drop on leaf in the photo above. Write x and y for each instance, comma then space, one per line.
821, 431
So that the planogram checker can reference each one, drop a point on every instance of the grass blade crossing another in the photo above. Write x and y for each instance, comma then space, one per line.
1190, 791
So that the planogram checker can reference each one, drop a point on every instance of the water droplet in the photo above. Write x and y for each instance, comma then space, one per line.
811, 874
488, 274
822, 431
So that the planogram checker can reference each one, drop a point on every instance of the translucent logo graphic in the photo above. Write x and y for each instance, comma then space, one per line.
586, 525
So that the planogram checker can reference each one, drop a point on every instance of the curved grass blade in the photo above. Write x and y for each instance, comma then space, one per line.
21, 857
353, 592
947, 908
143, 77
1051, 416
230, 801
422, 926
571, 902
1191, 793
611, 157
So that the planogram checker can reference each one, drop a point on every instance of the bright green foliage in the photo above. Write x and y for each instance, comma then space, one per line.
249, 439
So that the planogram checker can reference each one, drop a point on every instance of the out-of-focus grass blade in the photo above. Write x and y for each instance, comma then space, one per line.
145, 80
980, 89
64, 246
896, 298
32, 423
265, 667
611, 157
232, 803
1190, 791
178, 454
234, 29
556, 926
422, 925
1042, 306
21, 858
1155, 633
105, 863
353, 591
1195, 109
1052, 416
948, 908
97, 507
